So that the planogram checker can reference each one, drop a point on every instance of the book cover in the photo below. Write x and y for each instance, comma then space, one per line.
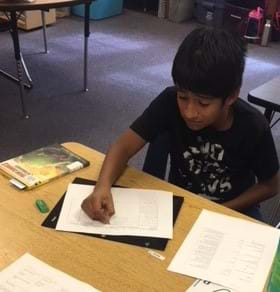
42, 165
274, 281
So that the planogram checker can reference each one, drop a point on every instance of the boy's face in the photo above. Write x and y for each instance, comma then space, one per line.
201, 111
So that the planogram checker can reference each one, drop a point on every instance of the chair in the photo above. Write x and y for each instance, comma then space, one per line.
9, 24
157, 156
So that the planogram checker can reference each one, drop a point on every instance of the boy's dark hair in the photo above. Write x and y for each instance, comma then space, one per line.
211, 62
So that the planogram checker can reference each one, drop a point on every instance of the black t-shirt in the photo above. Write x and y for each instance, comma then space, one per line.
217, 164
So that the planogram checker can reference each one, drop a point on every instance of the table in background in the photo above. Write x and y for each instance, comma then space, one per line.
16, 6
267, 96
106, 265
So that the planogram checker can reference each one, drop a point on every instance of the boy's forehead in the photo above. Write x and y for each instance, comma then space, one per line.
188, 93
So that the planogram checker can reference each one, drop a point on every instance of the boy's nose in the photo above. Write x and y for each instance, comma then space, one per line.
190, 111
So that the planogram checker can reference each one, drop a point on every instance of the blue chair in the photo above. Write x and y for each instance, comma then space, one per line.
157, 156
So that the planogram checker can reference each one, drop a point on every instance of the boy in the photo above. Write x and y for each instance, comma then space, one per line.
221, 147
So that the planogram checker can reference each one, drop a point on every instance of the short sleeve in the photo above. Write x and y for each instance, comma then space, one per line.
157, 117
265, 160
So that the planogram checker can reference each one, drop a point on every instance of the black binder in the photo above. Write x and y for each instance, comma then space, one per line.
150, 242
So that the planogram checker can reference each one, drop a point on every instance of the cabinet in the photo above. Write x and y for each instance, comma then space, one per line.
32, 19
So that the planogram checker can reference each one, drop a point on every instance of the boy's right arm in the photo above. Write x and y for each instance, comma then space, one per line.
99, 205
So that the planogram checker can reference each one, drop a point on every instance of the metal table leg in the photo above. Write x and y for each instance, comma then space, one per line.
145, 5
14, 79
268, 113
86, 33
44, 31
30, 82
14, 32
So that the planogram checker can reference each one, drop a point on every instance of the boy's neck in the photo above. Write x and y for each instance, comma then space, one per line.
226, 120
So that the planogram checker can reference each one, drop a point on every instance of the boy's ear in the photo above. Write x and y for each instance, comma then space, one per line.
230, 100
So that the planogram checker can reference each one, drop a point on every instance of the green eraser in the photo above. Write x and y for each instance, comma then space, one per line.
42, 206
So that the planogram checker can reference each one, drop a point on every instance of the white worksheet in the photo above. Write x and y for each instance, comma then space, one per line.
138, 212
29, 274
231, 252
206, 286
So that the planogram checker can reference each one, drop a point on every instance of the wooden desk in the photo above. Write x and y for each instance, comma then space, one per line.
16, 6
107, 265
267, 96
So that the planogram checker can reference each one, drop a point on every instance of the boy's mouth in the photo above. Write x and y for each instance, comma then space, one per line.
194, 124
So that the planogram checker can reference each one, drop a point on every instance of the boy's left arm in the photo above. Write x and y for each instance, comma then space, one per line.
255, 194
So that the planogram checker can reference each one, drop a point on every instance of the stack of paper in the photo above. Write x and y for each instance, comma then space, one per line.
232, 252
205, 286
28, 274
137, 212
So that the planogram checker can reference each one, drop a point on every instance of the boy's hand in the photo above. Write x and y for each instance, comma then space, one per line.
99, 205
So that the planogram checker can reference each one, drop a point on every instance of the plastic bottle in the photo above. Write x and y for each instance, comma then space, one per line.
266, 33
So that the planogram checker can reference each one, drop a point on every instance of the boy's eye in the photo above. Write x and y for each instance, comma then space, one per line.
204, 103
182, 97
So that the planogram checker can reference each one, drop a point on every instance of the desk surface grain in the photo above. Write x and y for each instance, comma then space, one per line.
106, 265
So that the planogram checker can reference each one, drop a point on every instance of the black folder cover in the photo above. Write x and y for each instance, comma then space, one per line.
151, 242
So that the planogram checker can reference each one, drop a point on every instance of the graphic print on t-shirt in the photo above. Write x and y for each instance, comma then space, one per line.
204, 164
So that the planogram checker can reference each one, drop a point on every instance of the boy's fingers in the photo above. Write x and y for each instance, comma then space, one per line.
97, 211
109, 207
102, 216
98, 215
86, 206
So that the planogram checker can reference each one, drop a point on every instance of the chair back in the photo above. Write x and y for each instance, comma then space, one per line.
157, 156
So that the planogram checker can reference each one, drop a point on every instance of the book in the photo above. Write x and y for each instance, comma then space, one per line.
41, 165
274, 280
